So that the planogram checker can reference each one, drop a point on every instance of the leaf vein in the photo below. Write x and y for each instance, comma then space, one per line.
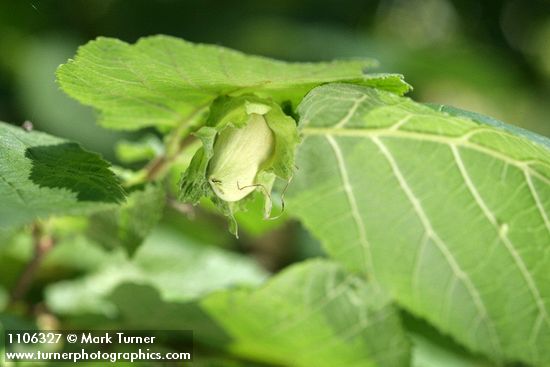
524, 165
351, 112
449, 257
352, 201
503, 235
538, 202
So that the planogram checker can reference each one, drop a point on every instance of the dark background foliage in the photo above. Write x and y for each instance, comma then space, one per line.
488, 56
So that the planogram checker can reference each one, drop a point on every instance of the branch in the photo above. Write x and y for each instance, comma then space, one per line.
43, 243
177, 141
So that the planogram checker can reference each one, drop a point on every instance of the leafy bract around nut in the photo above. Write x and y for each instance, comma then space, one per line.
247, 143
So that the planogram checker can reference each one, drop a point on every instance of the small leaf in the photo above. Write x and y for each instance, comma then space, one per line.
449, 213
128, 225
163, 81
41, 175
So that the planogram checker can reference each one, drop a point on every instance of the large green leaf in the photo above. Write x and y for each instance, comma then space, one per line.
312, 314
41, 175
449, 213
165, 82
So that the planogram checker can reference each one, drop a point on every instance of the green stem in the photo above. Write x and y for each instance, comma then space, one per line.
176, 138
176, 142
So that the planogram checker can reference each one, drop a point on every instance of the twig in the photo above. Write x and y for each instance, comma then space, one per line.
154, 167
43, 243
174, 144
178, 140
157, 168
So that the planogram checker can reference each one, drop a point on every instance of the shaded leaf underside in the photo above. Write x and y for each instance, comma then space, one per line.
450, 214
